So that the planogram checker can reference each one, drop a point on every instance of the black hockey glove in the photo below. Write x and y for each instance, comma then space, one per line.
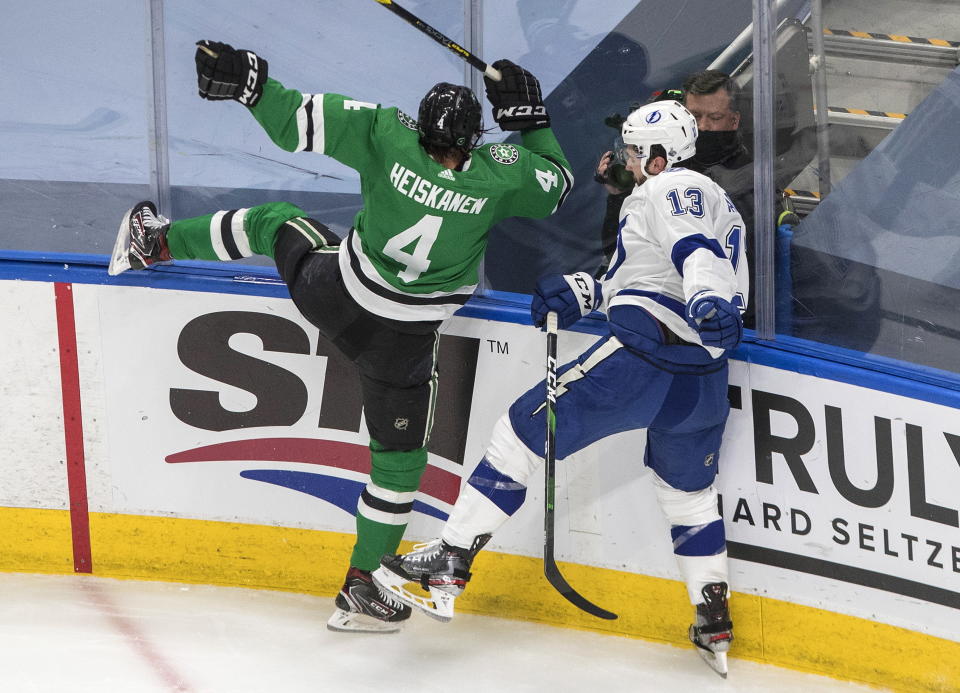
226, 73
517, 101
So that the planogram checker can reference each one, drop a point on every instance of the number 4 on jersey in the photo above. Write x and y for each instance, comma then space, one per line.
424, 234
547, 179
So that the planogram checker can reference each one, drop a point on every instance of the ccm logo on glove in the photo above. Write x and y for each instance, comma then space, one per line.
520, 112
582, 284
570, 296
250, 88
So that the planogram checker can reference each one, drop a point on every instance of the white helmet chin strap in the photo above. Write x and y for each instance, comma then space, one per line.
643, 165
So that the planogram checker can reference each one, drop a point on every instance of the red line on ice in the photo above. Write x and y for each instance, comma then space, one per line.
137, 639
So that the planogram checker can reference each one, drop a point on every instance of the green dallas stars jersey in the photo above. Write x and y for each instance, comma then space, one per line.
416, 245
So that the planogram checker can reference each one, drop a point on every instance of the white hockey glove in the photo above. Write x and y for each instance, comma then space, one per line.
224, 72
570, 296
716, 319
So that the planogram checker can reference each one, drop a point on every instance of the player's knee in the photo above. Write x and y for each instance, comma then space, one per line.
289, 249
397, 471
398, 417
687, 508
526, 421
314, 232
295, 238
397, 437
508, 454
398, 422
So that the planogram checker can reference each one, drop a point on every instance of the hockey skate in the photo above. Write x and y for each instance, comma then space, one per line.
441, 569
362, 607
141, 240
712, 632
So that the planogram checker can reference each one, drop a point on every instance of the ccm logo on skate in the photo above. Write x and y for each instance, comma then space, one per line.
281, 401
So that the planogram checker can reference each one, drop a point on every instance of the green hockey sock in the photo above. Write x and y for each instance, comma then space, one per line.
374, 539
230, 234
385, 505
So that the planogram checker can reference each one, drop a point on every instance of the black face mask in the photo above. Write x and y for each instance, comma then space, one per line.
620, 177
714, 146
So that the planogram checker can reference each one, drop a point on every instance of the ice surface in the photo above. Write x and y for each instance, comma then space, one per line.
86, 634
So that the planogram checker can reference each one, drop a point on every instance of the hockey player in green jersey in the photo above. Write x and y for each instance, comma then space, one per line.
430, 193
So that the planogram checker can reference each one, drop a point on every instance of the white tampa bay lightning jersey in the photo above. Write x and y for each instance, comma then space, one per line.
679, 234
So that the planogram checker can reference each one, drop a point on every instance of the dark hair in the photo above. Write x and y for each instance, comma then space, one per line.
710, 82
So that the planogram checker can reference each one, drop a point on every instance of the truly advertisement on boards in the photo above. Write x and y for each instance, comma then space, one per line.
832, 480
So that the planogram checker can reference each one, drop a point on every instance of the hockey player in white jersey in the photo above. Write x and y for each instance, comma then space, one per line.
673, 296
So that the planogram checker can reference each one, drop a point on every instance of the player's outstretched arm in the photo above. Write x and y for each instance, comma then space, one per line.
518, 106
224, 72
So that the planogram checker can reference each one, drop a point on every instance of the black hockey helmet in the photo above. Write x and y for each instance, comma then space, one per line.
450, 117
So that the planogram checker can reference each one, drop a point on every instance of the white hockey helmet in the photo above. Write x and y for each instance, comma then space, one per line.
667, 123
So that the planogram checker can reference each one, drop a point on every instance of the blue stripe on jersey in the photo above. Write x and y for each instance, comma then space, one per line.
665, 301
683, 248
506, 494
621, 254
699, 540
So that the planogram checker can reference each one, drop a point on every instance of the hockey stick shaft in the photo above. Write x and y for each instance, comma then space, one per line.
491, 72
550, 568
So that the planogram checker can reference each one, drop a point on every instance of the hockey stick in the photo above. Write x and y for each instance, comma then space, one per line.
550, 568
491, 72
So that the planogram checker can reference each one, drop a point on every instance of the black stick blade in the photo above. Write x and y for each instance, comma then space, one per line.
571, 595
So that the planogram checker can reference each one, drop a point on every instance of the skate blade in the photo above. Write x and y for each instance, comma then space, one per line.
438, 606
348, 622
120, 260
715, 660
